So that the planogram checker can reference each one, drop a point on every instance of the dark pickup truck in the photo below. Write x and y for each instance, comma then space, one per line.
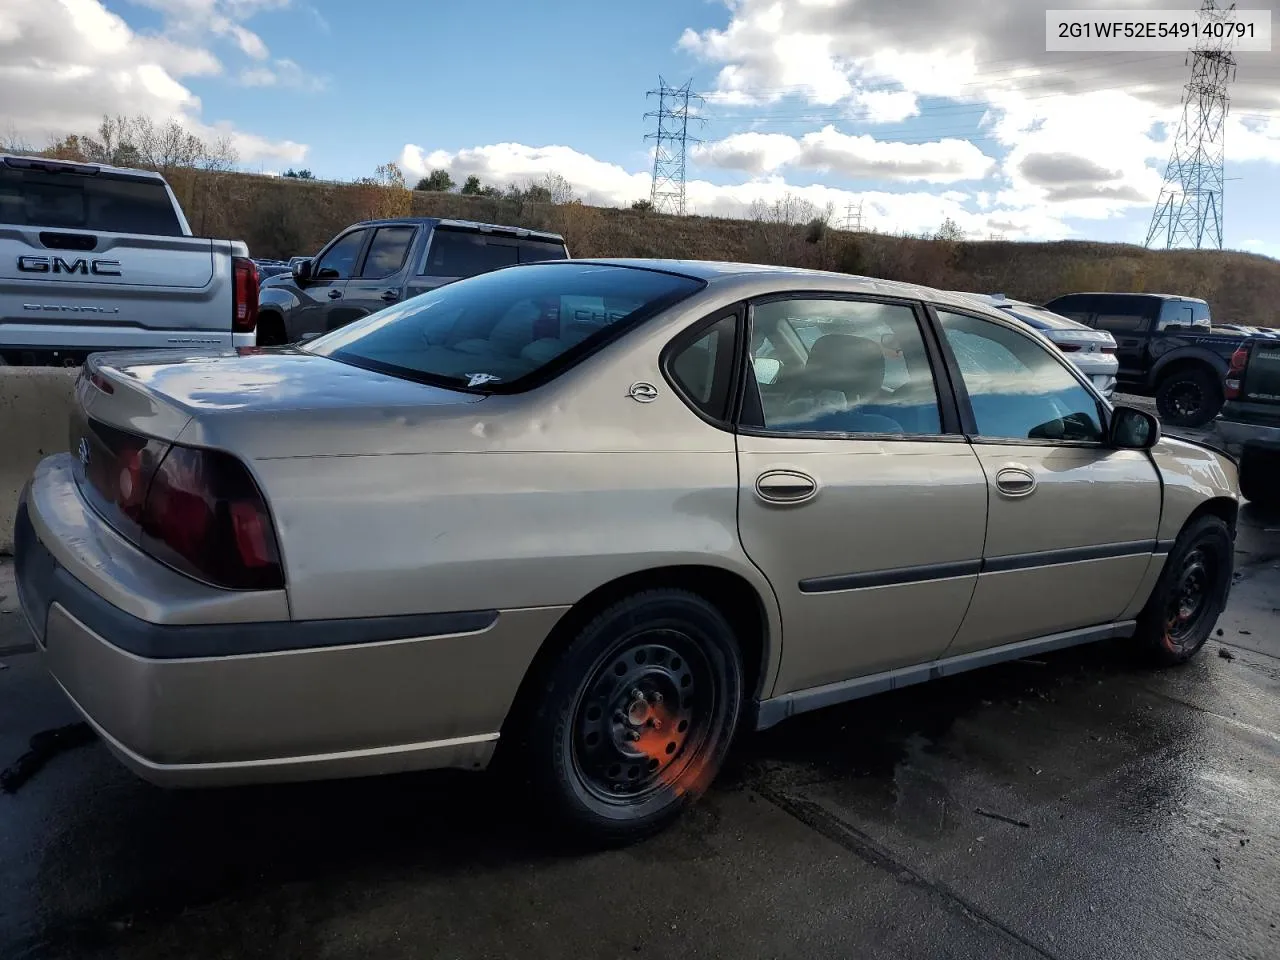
1250, 419
376, 263
1165, 347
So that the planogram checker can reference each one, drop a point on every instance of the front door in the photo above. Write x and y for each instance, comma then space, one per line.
1071, 523
864, 512
322, 297
380, 282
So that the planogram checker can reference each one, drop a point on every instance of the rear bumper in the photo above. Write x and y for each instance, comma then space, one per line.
1239, 430
396, 694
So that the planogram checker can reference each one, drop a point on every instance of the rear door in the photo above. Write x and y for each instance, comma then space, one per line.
1261, 382
858, 498
1131, 321
379, 281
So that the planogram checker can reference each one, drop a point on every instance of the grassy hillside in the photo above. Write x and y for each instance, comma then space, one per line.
283, 217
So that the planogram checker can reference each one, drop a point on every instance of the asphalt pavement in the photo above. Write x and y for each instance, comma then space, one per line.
1077, 805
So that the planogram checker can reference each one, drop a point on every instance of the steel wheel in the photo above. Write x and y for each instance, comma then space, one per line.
642, 715
630, 722
1190, 598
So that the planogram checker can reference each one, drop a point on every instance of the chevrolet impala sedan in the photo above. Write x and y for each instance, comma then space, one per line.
595, 518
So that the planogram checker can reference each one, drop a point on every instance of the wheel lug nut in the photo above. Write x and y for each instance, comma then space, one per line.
633, 734
657, 724
657, 698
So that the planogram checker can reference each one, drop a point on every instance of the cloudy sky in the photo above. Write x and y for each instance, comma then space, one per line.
917, 109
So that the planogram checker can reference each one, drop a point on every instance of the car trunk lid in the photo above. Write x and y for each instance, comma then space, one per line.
268, 403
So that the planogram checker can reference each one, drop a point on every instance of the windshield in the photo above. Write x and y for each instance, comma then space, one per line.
503, 331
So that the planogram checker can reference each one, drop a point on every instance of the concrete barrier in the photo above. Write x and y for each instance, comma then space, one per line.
35, 410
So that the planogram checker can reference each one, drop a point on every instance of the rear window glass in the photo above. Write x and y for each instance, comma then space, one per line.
70, 201
498, 332
458, 253
531, 251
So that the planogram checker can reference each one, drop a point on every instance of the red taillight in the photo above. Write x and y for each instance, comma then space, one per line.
1106, 349
205, 517
244, 277
1239, 360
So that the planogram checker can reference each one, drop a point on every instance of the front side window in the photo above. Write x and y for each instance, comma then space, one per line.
339, 260
1017, 388
463, 253
496, 331
842, 366
387, 252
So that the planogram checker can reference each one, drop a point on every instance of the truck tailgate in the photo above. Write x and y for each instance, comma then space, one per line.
147, 282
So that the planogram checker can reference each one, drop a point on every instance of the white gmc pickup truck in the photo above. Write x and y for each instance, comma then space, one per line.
97, 258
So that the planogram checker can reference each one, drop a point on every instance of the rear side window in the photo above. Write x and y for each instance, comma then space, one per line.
703, 369
103, 204
503, 331
1120, 322
532, 251
461, 253
387, 252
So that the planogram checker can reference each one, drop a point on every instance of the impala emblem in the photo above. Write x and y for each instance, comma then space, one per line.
643, 392
82, 451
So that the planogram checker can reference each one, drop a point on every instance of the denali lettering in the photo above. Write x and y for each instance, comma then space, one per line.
68, 308
99, 268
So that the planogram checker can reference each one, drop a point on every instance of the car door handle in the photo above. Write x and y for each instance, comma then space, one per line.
334, 294
390, 295
786, 486
1015, 481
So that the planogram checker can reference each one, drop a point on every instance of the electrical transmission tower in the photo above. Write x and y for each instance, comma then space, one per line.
1189, 211
671, 143
853, 217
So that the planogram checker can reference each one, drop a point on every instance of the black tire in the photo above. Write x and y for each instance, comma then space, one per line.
1260, 477
271, 332
1189, 397
613, 767
1191, 593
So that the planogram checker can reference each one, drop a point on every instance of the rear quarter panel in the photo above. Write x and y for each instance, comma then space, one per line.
524, 501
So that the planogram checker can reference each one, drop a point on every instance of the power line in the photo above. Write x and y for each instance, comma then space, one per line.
1189, 211
671, 141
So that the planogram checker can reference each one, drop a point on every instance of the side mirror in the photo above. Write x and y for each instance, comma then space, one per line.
1133, 429
301, 270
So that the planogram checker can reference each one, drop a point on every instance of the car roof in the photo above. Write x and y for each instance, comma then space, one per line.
462, 225
755, 278
130, 173
1116, 293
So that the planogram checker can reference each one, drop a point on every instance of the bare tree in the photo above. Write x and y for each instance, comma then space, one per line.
949, 231
558, 189
790, 209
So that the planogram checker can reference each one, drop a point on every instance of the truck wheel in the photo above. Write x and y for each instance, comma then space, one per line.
1190, 397
1260, 477
1190, 594
271, 330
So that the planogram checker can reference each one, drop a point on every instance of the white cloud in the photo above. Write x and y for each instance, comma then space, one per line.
280, 73
66, 63
856, 157
609, 184
885, 106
